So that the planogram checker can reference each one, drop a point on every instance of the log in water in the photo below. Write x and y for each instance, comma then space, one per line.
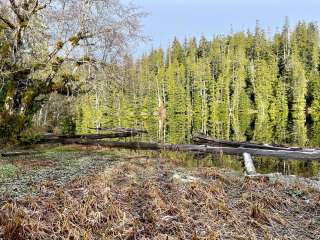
204, 139
304, 154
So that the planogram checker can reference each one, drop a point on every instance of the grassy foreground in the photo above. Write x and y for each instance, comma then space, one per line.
145, 197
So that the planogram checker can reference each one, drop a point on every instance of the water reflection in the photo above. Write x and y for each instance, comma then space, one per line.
293, 130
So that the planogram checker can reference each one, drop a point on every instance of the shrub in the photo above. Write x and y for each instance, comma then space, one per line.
11, 125
68, 125
30, 136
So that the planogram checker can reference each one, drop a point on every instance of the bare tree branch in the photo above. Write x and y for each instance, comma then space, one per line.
6, 21
15, 9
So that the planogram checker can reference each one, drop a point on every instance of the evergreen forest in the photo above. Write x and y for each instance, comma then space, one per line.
244, 86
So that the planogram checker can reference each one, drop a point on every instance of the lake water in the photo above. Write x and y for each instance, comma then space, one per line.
301, 131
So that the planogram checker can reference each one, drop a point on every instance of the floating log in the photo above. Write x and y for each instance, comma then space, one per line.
248, 163
282, 154
204, 139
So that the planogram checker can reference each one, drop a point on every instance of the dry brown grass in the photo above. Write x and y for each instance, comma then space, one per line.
140, 199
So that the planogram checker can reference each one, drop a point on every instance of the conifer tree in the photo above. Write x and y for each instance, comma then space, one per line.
222, 87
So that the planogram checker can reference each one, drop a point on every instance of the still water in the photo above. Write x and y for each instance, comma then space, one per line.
301, 131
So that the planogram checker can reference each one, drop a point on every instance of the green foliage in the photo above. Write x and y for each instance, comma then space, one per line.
298, 86
221, 87
11, 125
3, 27
74, 40
5, 49
30, 136
7, 171
59, 45
36, 64
68, 125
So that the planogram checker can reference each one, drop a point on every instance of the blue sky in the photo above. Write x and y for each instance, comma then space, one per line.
186, 18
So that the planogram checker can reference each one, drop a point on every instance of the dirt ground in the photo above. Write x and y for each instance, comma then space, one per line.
146, 197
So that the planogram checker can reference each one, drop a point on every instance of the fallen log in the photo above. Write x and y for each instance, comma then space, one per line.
14, 154
51, 138
119, 129
282, 154
204, 139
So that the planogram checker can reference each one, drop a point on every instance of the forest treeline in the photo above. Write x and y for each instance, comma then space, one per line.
221, 82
